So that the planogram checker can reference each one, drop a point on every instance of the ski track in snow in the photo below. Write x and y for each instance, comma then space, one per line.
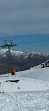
32, 94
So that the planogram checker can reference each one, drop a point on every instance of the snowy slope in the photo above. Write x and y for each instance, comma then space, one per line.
31, 93
29, 80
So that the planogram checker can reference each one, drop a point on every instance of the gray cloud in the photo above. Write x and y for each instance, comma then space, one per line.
24, 17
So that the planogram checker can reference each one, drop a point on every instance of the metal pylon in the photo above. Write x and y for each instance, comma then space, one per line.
9, 44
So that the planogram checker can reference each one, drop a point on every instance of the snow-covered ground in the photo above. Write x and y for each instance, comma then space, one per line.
31, 93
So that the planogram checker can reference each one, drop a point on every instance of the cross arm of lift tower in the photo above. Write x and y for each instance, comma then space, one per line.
8, 43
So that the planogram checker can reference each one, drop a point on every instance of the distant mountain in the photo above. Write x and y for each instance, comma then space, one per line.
20, 60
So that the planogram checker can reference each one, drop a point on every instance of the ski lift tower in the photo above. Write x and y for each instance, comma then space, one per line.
9, 44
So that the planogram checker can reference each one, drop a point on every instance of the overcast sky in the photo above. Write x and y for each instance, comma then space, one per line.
19, 17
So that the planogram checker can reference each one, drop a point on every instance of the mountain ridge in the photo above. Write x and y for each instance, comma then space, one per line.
20, 60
